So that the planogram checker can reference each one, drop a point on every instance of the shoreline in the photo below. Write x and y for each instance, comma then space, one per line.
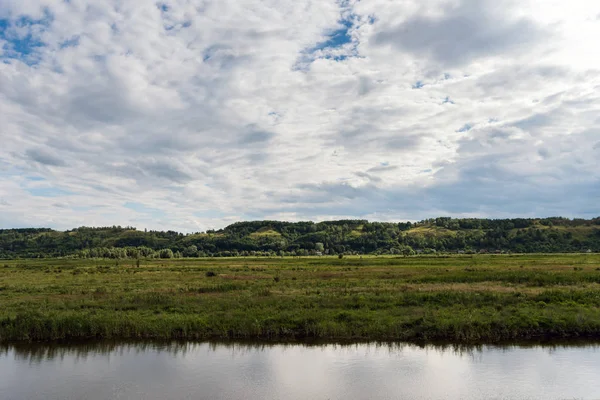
544, 342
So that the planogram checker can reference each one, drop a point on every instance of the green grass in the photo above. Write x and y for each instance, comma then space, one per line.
265, 232
480, 298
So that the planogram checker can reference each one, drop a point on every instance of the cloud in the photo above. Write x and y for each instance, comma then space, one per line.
45, 157
256, 137
143, 209
382, 168
368, 176
365, 85
461, 33
166, 170
198, 114
404, 141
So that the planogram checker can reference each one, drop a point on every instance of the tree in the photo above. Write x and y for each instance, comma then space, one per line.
145, 251
165, 253
319, 247
191, 251
407, 251
133, 252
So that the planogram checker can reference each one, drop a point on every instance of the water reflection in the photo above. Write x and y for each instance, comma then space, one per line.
156, 370
38, 352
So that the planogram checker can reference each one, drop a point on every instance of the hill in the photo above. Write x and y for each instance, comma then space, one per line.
540, 235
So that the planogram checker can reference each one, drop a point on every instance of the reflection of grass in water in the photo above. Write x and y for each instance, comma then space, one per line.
462, 298
39, 352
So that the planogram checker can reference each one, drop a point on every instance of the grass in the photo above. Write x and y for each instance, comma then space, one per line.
479, 298
431, 230
268, 232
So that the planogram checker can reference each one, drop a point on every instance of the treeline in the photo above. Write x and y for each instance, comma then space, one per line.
268, 238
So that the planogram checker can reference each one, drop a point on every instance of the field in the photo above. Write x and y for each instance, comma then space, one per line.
479, 298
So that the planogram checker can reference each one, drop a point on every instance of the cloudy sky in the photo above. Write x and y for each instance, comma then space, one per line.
192, 114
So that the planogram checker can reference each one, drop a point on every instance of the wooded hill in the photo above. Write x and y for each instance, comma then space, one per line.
258, 238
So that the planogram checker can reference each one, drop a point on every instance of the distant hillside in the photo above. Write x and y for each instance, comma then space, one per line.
306, 238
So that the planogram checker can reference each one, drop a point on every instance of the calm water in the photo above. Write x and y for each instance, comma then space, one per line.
241, 371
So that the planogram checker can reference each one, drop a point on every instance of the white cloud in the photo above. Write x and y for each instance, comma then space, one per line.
206, 112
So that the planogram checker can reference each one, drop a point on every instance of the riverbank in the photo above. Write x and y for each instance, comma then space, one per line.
480, 298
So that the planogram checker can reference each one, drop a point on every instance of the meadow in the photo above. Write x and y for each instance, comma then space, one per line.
462, 298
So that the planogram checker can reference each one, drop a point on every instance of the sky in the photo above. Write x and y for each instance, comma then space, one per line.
193, 114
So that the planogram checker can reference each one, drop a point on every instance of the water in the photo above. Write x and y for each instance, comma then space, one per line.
245, 371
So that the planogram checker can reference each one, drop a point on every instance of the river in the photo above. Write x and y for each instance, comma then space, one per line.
149, 370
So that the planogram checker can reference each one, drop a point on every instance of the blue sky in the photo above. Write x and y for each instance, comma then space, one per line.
191, 115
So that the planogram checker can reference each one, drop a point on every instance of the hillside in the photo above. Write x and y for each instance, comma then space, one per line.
305, 238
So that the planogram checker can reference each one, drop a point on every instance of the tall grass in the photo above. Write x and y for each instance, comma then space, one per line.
462, 299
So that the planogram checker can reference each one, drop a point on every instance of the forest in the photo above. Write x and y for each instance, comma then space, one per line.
344, 237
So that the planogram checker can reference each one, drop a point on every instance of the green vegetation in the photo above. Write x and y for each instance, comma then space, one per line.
466, 298
269, 238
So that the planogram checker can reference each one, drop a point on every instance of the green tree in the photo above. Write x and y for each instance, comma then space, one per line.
191, 251
165, 253
407, 251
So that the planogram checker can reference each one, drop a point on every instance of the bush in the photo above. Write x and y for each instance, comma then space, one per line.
165, 253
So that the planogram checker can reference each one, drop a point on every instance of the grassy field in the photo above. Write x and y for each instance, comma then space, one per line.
481, 298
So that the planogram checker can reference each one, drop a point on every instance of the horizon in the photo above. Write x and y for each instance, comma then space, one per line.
414, 222
194, 116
